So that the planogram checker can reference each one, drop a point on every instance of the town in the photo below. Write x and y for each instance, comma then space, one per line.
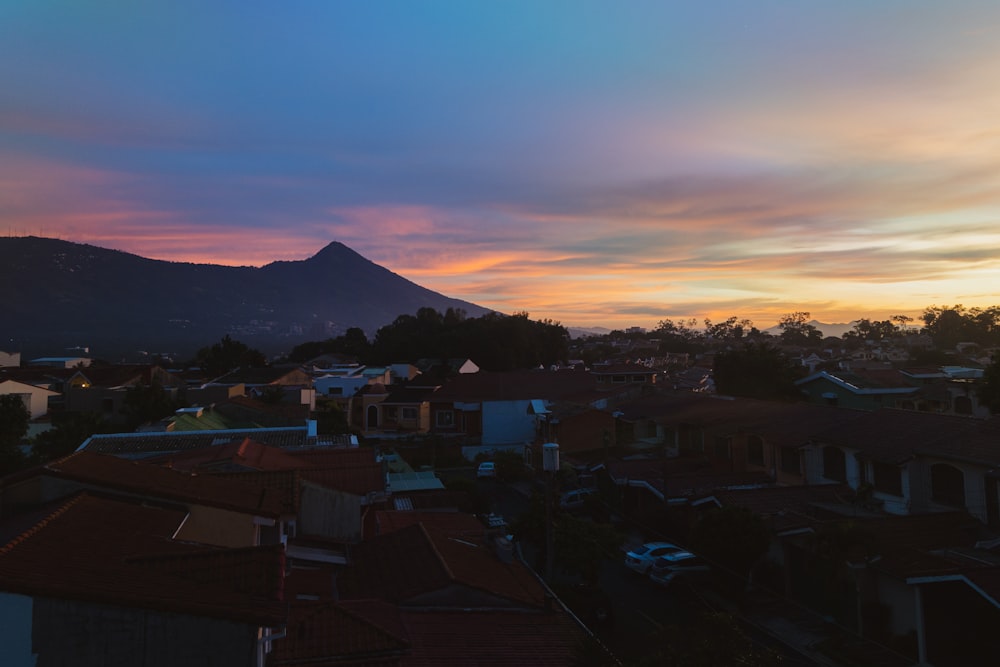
461, 491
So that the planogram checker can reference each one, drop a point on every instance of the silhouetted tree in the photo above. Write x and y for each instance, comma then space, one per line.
69, 431
227, 355
146, 403
989, 390
756, 371
796, 330
14, 420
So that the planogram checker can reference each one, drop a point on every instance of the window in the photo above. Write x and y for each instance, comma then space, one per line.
619, 379
638, 378
409, 414
834, 464
755, 450
947, 485
444, 418
790, 460
888, 478
335, 391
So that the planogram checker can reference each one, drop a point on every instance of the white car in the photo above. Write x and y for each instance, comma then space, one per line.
641, 558
486, 469
575, 499
668, 567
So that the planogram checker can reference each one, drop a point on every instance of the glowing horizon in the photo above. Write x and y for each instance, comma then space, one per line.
592, 164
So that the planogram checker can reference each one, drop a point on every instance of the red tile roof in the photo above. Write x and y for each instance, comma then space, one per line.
491, 638
154, 481
451, 523
122, 553
896, 436
415, 561
327, 634
238, 455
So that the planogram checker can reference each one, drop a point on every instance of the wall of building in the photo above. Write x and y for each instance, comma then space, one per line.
328, 513
86, 634
507, 422
15, 630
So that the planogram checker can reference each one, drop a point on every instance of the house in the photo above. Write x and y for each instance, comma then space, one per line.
102, 389
218, 511
155, 443
913, 462
10, 359
290, 383
61, 362
505, 409
35, 399
325, 492
429, 590
862, 389
90, 580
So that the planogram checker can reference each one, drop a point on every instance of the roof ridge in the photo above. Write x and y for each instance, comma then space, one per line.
440, 557
39, 525
339, 605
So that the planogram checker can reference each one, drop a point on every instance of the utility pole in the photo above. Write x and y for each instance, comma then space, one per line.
550, 464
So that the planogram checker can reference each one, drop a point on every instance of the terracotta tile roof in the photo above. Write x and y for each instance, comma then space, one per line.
327, 634
285, 484
491, 639
450, 523
895, 436
351, 470
235, 456
122, 554
792, 507
152, 481
414, 561
246, 409
783, 424
139, 445
373, 633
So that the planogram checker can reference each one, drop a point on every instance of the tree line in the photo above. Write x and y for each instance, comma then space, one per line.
495, 342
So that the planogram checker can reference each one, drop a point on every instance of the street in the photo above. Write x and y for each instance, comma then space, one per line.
641, 609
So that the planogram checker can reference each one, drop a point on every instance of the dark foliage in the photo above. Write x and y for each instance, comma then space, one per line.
69, 431
495, 342
227, 355
756, 371
14, 420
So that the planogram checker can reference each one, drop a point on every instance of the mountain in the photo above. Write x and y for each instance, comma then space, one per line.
57, 295
836, 330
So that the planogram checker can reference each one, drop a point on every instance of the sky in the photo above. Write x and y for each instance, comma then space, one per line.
606, 163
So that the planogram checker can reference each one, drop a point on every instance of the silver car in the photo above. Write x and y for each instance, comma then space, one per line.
641, 558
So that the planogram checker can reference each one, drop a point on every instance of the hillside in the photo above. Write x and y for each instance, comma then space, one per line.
57, 294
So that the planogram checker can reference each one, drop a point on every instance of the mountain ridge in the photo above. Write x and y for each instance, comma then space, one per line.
58, 294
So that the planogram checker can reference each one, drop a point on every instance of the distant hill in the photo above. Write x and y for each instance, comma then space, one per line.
827, 329
57, 295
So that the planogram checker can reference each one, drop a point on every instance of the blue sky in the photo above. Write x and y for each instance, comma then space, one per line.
597, 163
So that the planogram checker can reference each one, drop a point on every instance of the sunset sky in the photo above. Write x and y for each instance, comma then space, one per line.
596, 163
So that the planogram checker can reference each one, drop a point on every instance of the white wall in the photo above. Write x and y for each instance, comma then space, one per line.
507, 422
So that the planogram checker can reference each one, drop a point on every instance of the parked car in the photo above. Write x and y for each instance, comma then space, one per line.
575, 499
486, 469
669, 566
641, 558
